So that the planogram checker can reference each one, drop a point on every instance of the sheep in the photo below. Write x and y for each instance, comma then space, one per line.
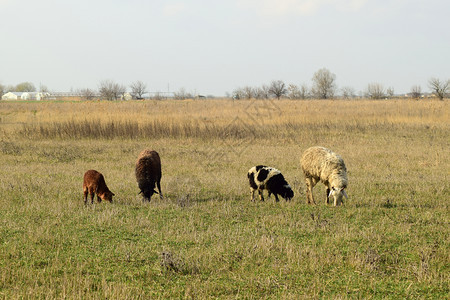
267, 178
148, 173
94, 183
322, 164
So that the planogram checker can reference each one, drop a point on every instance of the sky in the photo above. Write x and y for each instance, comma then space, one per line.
213, 47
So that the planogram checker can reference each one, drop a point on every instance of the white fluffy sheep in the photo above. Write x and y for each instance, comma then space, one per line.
322, 164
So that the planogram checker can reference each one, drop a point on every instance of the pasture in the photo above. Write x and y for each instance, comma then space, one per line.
206, 239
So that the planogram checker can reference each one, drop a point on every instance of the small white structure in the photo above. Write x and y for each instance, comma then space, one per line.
25, 96
127, 96
10, 96
42, 96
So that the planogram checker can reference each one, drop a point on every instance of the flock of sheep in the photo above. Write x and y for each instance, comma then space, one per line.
318, 164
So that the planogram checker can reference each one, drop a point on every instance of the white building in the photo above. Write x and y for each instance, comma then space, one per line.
126, 96
11, 96
25, 96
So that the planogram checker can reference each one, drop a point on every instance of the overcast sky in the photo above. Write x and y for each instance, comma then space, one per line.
213, 47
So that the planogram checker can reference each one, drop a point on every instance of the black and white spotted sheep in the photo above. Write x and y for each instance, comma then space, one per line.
267, 178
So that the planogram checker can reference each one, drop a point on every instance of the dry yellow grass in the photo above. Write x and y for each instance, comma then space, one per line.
220, 112
206, 239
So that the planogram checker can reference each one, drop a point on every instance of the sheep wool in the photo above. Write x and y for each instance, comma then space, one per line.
322, 164
148, 173
267, 178
94, 183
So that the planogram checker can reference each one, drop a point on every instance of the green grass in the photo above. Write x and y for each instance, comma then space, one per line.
206, 239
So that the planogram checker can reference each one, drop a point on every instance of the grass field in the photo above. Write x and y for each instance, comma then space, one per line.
205, 239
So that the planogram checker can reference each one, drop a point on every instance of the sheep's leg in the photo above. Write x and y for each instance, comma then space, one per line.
327, 199
99, 199
85, 196
261, 197
158, 184
309, 186
276, 197
252, 192
92, 198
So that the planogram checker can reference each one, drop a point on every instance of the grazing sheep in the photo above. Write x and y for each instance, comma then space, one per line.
148, 173
322, 164
94, 183
267, 178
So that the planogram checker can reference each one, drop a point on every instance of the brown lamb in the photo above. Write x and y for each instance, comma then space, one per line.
94, 183
148, 173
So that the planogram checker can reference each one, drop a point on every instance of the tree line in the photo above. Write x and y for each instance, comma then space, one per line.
323, 87
107, 90
22, 87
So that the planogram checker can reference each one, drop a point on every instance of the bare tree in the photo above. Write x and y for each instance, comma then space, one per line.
304, 91
43, 88
138, 89
348, 92
324, 86
238, 94
86, 93
111, 90
10, 88
416, 92
293, 91
277, 88
390, 92
25, 87
2, 89
248, 92
262, 92
439, 88
106, 89
375, 91
182, 94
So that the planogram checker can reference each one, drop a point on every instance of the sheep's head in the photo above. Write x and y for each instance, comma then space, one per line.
287, 193
147, 194
107, 196
338, 194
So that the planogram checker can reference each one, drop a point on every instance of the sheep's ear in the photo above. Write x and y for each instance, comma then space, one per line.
345, 194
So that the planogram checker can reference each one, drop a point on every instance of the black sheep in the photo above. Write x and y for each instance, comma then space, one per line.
148, 173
